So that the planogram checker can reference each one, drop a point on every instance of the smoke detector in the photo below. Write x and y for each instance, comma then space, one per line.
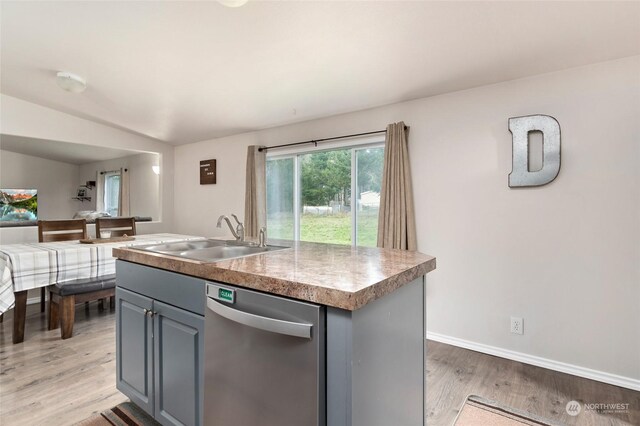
71, 82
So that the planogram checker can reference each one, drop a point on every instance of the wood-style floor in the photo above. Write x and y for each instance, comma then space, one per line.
46, 380
453, 373
49, 381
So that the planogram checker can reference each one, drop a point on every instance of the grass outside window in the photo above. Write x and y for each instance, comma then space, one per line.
332, 229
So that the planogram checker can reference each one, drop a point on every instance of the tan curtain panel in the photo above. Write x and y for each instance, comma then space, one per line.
255, 199
125, 197
396, 218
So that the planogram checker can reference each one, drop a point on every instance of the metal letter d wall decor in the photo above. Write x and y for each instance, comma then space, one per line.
520, 127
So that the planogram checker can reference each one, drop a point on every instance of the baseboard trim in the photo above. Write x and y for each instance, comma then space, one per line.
33, 300
30, 301
600, 376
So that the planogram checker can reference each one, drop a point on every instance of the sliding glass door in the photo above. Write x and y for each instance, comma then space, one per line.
328, 196
369, 164
280, 198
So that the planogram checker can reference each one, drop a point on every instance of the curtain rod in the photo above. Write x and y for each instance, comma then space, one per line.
112, 171
315, 141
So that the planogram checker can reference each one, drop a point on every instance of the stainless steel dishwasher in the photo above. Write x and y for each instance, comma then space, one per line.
264, 359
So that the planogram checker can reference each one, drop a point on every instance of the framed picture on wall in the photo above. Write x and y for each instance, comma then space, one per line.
18, 205
207, 172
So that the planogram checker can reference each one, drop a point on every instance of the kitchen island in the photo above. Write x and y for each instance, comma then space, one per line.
367, 363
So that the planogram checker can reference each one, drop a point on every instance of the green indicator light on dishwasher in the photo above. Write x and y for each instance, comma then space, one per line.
225, 294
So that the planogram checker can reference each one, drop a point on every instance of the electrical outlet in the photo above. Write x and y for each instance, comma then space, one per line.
517, 325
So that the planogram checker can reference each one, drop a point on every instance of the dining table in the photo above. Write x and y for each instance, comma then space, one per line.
28, 266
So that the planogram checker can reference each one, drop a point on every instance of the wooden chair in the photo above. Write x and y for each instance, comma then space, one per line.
63, 296
62, 230
118, 226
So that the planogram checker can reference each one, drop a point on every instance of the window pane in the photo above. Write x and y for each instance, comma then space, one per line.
368, 180
111, 193
280, 198
325, 191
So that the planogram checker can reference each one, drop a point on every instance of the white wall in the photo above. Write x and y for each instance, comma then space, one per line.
144, 183
21, 118
56, 182
565, 256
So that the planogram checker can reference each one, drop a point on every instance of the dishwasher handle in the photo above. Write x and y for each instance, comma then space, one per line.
273, 325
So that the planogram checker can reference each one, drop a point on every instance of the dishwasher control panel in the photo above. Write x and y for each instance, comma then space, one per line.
220, 293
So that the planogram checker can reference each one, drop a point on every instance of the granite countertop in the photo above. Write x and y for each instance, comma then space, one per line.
334, 275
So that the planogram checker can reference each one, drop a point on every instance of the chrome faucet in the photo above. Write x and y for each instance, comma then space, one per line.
262, 237
238, 232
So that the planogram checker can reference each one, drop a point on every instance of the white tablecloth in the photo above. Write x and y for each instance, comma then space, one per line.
35, 265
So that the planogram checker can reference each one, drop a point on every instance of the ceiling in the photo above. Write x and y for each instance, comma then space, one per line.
188, 71
72, 153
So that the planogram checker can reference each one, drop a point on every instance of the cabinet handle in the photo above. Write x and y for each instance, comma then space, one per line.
149, 312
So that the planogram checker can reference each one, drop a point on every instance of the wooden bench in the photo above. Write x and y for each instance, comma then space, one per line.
64, 296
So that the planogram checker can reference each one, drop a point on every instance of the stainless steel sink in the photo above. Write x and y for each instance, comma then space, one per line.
209, 250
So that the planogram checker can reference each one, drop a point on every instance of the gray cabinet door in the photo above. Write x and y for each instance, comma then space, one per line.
178, 348
134, 348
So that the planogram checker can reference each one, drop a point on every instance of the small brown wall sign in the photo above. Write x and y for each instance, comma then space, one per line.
207, 172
